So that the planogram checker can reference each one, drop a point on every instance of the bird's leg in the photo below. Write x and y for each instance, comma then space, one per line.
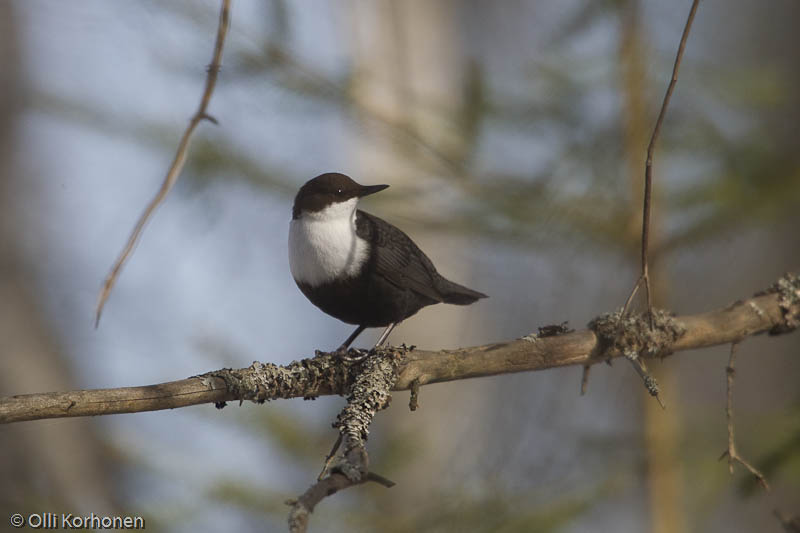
342, 350
385, 335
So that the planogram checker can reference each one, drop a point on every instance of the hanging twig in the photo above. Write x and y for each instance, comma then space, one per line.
648, 167
585, 378
177, 164
731, 453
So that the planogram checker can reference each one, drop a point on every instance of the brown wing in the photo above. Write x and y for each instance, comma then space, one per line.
397, 258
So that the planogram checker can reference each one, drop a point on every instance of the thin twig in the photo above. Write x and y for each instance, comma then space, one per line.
631, 295
731, 453
585, 378
177, 164
648, 167
650, 382
329, 457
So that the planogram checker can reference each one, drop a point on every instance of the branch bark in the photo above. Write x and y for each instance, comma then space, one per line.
775, 311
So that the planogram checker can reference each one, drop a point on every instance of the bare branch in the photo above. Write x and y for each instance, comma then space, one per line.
731, 453
648, 167
304, 505
772, 311
177, 164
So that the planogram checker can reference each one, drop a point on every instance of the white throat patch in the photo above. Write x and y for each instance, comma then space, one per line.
323, 246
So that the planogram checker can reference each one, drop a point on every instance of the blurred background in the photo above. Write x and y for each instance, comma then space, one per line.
513, 135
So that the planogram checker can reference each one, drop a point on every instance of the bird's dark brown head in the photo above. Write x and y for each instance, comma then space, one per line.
326, 189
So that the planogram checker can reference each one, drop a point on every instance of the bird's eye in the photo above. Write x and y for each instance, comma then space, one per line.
339, 191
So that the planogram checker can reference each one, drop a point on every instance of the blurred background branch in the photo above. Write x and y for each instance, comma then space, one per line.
175, 169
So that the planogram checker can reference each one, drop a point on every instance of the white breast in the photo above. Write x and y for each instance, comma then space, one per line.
323, 246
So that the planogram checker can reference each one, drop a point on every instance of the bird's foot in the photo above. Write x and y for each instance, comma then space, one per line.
341, 351
352, 355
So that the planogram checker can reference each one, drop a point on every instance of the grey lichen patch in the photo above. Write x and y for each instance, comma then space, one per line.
413, 400
651, 385
305, 378
632, 336
325, 373
788, 289
368, 395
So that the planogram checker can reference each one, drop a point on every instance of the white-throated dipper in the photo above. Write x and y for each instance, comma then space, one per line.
357, 267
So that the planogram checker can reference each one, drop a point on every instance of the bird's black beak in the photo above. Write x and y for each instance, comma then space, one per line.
366, 190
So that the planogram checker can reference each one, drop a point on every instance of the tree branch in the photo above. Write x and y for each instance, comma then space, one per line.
177, 164
776, 310
369, 394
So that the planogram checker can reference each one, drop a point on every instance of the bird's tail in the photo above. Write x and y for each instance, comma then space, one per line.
453, 293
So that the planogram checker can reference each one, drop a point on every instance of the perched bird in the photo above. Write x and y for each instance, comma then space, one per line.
355, 266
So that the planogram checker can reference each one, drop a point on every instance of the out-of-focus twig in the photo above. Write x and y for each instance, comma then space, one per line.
644, 277
177, 164
791, 524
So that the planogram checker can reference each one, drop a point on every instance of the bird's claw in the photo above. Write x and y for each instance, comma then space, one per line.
352, 355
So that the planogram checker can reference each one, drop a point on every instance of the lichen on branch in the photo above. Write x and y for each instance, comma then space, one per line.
307, 378
632, 336
375, 375
788, 289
